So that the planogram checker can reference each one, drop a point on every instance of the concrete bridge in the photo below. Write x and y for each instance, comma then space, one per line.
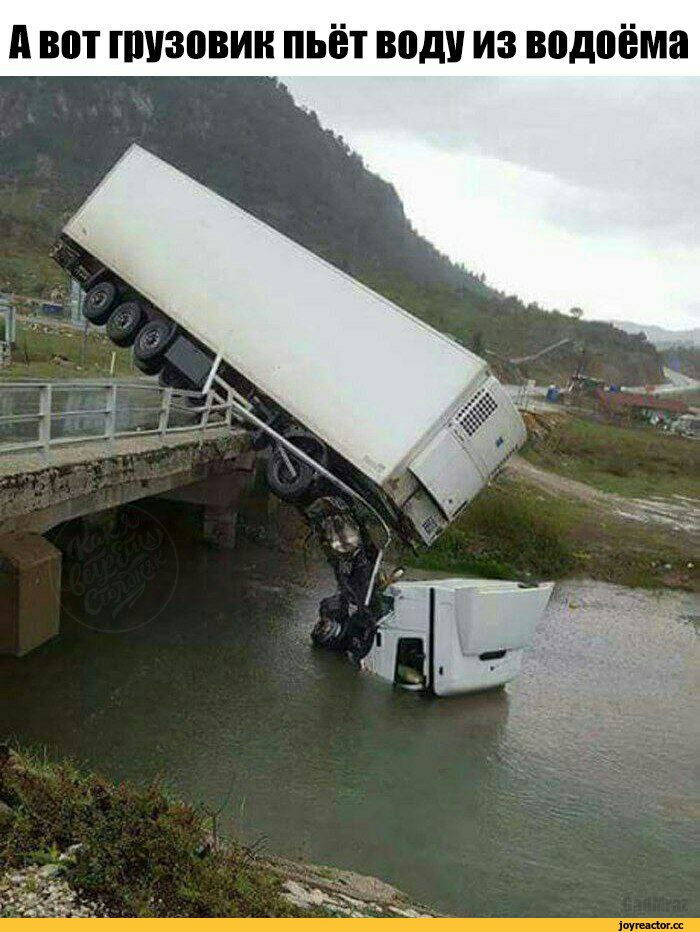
84, 457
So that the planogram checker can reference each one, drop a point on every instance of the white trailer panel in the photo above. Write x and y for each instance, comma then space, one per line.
371, 380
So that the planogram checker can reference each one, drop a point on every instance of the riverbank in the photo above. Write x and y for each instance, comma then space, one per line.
585, 498
521, 528
634, 461
73, 844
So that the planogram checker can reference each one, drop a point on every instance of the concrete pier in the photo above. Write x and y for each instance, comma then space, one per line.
220, 494
30, 587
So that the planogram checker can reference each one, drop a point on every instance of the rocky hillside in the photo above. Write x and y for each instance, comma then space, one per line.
247, 139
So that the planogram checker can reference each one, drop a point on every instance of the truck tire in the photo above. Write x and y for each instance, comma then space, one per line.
170, 377
152, 343
99, 302
331, 630
124, 323
149, 366
303, 483
330, 634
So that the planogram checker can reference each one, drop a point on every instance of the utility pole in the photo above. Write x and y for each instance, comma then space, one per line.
75, 301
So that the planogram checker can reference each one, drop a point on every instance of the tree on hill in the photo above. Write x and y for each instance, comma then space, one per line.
476, 344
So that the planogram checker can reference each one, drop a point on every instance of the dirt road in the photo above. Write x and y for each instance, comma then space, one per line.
679, 512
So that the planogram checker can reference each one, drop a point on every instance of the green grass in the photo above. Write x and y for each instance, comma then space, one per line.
24, 272
142, 852
47, 352
514, 531
29, 219
636, 462
503, 534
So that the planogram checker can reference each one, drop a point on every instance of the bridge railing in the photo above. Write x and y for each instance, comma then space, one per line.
45, 415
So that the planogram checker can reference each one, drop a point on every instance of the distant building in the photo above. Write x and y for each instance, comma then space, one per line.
655, 409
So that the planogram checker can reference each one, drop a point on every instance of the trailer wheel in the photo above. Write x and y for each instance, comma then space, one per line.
124, 323
195, 401
171, 377
152, 343
288, 477
148, 366
99, 302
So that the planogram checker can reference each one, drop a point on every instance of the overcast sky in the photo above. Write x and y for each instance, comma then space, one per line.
565, 191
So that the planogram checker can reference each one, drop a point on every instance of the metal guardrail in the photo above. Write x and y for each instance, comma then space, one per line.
52, 414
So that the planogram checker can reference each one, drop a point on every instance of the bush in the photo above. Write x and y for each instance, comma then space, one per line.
141, 852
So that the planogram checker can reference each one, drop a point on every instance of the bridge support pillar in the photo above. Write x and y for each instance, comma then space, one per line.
30, 592
220, 495
219, 526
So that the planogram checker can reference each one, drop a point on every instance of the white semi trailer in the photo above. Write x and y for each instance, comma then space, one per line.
361, 408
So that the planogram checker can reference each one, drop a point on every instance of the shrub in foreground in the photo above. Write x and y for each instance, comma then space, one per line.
138, 851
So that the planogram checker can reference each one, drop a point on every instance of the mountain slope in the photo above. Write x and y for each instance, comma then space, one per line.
246, 139
660, 336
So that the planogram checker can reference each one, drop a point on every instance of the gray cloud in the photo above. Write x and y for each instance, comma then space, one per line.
630, 147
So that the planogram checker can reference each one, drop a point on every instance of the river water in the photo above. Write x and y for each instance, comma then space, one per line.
571, 793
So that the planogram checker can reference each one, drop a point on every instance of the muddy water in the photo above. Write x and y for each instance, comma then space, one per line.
569, 794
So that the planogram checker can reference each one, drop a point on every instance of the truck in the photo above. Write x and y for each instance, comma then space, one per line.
371, 422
